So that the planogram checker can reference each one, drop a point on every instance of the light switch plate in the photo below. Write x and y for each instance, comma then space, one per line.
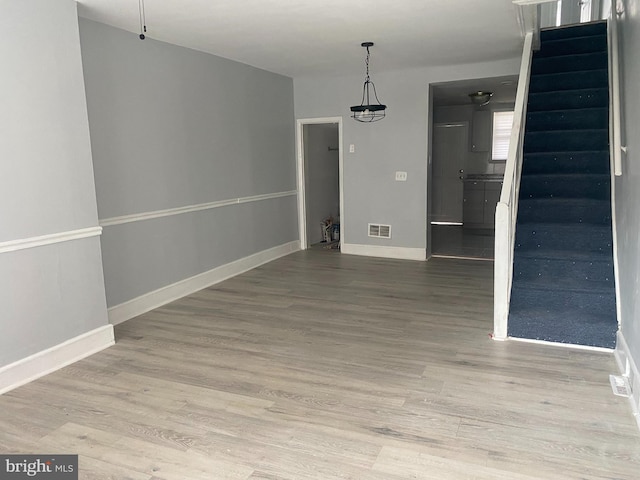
352, 148
401, 176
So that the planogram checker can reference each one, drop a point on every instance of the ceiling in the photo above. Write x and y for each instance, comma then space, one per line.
457, 93
316, 37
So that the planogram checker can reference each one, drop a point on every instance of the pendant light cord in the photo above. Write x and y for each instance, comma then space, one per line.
367, 82
367, 63
143, 20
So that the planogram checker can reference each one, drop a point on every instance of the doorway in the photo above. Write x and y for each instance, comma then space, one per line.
320, 192
465, 178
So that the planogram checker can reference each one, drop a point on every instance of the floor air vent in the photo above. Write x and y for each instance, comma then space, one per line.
379, 231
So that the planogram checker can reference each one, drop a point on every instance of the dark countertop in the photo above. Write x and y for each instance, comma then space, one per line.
484, 177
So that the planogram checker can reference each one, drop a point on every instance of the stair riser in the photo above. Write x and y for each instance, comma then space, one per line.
592, 322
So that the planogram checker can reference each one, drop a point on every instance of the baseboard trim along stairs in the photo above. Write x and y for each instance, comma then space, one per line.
563, 287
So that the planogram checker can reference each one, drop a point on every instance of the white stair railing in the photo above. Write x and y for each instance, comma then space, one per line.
507, 207
615, 119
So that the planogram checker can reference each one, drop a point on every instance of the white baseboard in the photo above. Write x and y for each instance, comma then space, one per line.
402, 253
54, 358
147, 302
629, 368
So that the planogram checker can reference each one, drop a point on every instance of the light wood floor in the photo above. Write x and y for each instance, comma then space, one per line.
327, 366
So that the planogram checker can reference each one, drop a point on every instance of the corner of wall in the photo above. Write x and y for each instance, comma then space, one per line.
151, 300
629, 369
47, 361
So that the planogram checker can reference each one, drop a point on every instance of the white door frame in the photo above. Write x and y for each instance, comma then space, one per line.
302, 206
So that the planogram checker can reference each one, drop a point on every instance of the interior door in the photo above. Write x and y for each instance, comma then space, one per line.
450, 146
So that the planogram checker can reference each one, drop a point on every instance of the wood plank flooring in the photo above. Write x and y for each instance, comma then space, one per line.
327, 366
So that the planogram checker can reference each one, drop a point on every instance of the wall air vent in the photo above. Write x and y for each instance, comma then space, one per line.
379, 231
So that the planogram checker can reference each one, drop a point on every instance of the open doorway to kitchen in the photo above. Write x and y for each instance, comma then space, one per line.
466, 168
319, 145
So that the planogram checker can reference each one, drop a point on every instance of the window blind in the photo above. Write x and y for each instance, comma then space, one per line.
502, 123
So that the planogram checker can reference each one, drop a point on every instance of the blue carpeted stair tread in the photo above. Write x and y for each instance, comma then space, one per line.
566, 140
573, 45
569, 63
564, 210
565, 255
570, 185
572, 119
576, 80
568, 99
581, 30
527, 297
563, 240
595, 161
570, 275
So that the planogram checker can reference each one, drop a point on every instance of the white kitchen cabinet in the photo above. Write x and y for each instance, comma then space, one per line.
480, 199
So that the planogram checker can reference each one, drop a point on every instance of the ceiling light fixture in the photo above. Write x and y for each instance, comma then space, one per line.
367, 111
480, 98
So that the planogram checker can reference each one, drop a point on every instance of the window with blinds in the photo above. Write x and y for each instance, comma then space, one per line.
502, 123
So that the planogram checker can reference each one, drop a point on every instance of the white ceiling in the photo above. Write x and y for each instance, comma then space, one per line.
313, 37
457, 93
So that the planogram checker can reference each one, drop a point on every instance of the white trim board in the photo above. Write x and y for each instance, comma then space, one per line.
39, 241
401, 253
157, 298
54, 358
628, 368
138, 217
300, 172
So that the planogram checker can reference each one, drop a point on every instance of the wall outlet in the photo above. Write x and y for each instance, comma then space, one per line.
401, 176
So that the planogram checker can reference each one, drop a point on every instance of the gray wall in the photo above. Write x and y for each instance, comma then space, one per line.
173, 127
55, 292
398, 142
627, 191
322, 177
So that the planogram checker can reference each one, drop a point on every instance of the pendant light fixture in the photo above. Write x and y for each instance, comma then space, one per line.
367, 111
143, 20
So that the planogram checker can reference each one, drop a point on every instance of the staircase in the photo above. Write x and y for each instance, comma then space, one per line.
563, 281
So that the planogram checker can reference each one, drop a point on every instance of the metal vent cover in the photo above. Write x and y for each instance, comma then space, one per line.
379, 231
